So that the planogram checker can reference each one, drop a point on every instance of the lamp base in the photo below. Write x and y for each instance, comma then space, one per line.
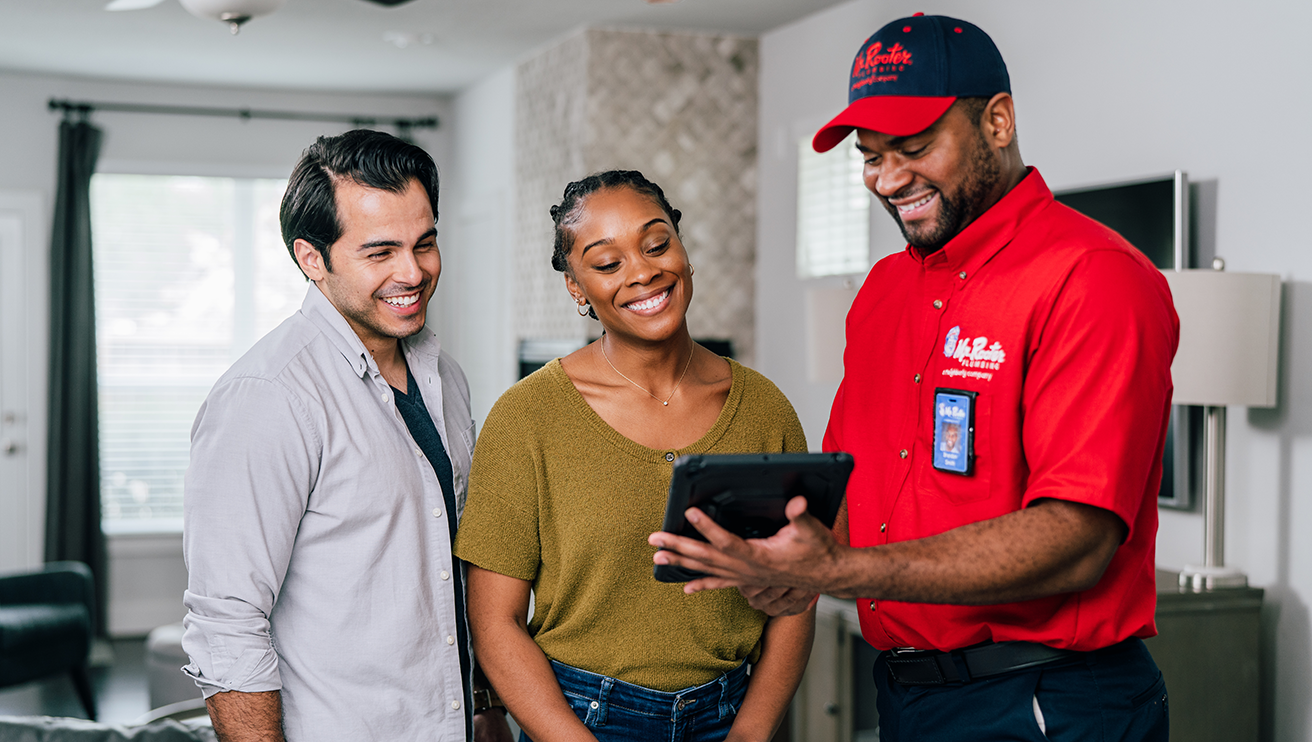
1199, 579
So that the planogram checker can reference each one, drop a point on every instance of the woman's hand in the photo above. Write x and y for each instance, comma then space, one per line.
785, 648
513, 662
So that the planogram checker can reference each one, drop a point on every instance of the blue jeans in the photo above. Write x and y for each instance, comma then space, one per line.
615, 710
1109, 695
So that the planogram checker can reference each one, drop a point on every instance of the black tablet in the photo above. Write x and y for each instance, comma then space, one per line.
746, 494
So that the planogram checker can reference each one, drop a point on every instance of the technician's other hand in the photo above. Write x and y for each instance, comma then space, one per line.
780, 601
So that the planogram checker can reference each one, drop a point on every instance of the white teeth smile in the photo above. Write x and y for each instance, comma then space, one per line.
652, 303
401, 301
917, 204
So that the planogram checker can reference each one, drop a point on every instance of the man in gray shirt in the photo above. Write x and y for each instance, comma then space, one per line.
328, 469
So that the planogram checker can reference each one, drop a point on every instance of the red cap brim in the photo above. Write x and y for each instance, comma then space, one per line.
898, 116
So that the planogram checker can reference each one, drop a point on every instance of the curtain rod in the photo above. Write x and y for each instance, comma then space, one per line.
85, 108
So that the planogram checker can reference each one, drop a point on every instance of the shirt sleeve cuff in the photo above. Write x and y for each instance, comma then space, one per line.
255, 671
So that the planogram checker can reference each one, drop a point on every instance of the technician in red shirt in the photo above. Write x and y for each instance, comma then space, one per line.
1006, 393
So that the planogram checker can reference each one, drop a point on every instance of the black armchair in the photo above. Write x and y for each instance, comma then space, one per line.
46, 626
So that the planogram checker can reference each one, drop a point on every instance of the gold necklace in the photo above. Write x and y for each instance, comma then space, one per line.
665, 401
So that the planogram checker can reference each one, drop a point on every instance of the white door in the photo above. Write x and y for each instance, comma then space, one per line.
23, 313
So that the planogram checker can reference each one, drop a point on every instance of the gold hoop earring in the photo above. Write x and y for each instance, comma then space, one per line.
583, 309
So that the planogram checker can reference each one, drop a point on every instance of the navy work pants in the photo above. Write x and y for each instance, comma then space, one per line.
1109, 695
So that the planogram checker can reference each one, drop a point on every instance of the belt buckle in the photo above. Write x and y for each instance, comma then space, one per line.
910, 666
909, 652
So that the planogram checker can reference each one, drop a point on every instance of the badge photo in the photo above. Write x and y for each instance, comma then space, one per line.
954, 431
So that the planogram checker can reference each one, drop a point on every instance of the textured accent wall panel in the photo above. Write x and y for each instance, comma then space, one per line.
550, 133
682, 109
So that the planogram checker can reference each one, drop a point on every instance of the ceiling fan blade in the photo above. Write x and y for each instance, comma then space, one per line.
132, 4
389, 3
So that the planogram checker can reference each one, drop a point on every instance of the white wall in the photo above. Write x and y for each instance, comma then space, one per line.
1111, 91
146, 577
477, 226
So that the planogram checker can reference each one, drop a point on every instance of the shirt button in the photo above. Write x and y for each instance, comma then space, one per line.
446, 575
450, 640
437, 512
455, 705
418, 452
669, 456
883, 527
962, 275
902, 453
917, 378
383, 397
872, 605
938, 304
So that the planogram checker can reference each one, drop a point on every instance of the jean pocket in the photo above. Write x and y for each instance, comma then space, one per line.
1155, 692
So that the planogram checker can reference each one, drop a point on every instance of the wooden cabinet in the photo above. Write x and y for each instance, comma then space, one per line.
1208, 647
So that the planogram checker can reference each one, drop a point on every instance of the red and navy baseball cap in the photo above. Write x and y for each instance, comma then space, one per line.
909, 73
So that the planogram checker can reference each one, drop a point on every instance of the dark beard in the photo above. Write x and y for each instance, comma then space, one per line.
958, 210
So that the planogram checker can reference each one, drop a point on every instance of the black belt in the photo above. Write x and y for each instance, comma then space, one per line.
932, 667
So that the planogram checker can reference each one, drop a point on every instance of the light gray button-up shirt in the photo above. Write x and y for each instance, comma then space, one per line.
316, 538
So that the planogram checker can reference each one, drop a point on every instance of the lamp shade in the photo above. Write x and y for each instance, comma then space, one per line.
1229, 337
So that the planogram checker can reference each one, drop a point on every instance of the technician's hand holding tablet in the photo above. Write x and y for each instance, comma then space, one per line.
754, 520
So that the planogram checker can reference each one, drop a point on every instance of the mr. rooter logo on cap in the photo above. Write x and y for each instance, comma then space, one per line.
879, 65
908, 73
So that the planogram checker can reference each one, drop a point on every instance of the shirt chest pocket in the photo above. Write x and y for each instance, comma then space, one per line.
960, 488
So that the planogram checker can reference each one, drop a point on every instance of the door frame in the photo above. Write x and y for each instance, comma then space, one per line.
25, 330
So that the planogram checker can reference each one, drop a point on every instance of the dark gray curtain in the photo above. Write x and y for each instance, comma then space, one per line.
73, 460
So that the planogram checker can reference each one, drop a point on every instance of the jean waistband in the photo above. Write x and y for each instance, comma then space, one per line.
724, 693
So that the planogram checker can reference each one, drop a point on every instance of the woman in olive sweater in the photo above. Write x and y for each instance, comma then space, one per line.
570, 475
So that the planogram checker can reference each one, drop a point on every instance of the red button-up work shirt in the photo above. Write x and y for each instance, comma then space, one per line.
1066, 332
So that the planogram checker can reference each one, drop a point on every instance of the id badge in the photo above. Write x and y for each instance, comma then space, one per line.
954, 431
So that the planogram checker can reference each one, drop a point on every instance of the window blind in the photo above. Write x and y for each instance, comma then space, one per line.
833, 211
189, 272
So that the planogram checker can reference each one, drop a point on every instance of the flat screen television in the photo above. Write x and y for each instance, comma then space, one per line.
1153, 215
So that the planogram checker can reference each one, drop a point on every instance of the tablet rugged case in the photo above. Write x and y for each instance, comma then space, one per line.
747, 493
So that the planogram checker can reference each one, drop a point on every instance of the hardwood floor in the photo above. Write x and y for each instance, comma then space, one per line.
120, 687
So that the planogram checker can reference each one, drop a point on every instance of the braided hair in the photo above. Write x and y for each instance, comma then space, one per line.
565, 214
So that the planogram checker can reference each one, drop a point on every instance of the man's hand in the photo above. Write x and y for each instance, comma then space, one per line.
491, 726
780, 575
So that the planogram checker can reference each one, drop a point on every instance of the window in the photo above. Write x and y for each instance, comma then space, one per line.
833, 211
189, 272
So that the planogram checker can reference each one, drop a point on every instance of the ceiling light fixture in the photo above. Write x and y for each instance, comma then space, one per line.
232, 12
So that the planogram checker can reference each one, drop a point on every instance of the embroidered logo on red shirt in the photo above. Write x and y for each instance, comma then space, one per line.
972, 353
879, 64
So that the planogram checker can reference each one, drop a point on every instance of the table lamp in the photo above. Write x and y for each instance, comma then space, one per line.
1229, 338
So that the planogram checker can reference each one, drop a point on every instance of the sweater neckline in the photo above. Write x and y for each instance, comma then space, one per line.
632, 447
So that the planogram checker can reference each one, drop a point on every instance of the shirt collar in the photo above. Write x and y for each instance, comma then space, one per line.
334, 326
993, 230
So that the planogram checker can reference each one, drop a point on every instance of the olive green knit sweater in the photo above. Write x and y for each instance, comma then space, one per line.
559, 498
